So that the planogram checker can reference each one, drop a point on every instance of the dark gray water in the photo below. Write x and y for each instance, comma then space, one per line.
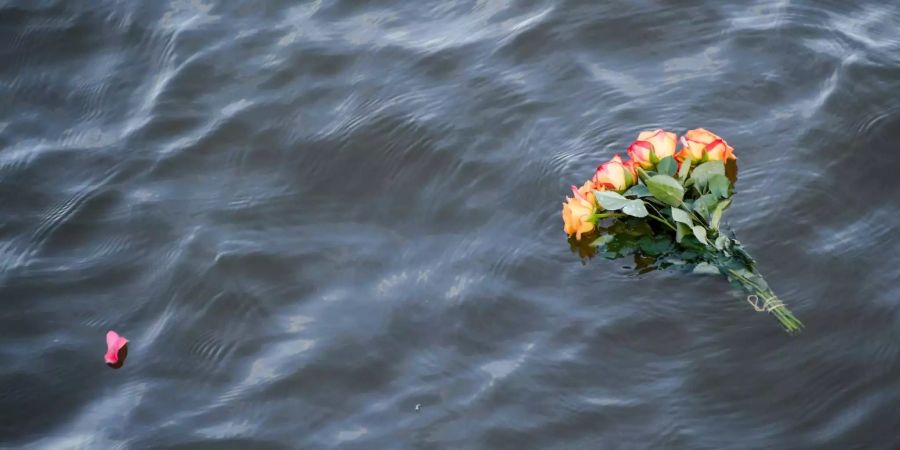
310, 218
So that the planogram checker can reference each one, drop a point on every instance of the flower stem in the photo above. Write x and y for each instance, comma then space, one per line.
771, 303
595, 217
700, 219
660, 219
663, 221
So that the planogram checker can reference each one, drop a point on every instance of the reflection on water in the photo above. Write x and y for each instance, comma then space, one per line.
312, 216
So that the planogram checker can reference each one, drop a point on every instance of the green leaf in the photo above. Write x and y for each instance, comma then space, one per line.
705, 204
685, 168
609, 200
703, 172
666, 189
679, 215
700, 233
635, 208
667, 166
681, 230
638, 190
721, 242
719, 185
705, 268
717, 213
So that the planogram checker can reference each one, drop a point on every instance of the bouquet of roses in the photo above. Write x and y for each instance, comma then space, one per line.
667, 205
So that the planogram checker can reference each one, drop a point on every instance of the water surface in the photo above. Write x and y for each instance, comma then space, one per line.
335, 224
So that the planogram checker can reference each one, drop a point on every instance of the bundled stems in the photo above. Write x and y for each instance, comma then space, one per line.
767, 301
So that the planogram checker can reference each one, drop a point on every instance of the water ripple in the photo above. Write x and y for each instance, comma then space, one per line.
336, 224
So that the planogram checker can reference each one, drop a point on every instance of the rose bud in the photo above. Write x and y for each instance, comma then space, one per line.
613, 175
577, 211
640, 153
663, 142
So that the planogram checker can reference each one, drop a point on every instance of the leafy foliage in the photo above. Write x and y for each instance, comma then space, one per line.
609, 200
666, 189
702, 173
638, 191
635, 208
667, 166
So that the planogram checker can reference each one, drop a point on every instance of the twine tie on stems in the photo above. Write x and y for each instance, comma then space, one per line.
770, 304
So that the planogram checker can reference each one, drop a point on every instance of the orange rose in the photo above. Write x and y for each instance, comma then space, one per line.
662, 141
613, 175
587, 191
719, 150
700, 142
577, 211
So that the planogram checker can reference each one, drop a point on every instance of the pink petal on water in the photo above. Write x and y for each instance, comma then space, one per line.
114, 343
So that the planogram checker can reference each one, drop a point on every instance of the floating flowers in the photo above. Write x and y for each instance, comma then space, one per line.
667, 204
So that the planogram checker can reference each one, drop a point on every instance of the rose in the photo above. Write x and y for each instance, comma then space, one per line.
652, 146
719, 150
663, 142
640, 153
614, 175
577, 211
700, 144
